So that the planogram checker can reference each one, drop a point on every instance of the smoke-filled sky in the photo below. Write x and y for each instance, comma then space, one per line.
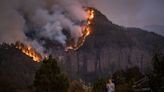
137, 13
51, 16
41, 19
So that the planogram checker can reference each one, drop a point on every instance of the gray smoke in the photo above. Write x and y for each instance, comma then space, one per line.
50, 17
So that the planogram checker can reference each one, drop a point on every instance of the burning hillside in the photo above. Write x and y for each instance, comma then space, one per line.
86, 30
29, 51
66, 23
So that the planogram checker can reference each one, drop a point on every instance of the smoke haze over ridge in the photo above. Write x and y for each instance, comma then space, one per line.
52, 16
49, 17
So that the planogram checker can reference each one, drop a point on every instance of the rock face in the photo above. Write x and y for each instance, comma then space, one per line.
109, 48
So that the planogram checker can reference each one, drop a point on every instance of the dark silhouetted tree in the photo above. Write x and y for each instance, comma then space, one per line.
49, 78
99, 86
156, 78
124, 80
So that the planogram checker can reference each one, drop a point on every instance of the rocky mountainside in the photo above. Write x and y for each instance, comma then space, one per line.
109, 48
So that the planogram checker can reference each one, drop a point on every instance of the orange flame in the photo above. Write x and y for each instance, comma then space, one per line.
86, 30
91, 14
29, 51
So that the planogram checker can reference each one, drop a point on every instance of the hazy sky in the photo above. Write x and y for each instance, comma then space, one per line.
128, 13
136, 13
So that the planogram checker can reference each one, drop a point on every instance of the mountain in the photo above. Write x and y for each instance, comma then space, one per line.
110, 48
17, 70
159, 29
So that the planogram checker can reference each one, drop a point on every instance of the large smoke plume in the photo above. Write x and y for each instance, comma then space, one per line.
46, 18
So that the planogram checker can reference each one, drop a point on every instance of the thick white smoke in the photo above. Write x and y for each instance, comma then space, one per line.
49, 16
54, 23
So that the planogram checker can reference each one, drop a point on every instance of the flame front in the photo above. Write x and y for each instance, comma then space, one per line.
91, 14
86, 30
29, 51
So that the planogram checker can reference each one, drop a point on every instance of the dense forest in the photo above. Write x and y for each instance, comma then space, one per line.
20, 74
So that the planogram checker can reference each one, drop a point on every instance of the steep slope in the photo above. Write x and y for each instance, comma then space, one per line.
16, 69
109, 48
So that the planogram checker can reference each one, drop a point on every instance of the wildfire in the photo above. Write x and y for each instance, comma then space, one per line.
86, 30
91, 14
29, 51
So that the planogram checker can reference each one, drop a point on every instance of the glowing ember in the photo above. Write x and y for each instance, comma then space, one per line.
86, 30
29, 52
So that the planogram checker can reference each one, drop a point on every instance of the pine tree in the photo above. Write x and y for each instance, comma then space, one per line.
49, 77
156, 78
